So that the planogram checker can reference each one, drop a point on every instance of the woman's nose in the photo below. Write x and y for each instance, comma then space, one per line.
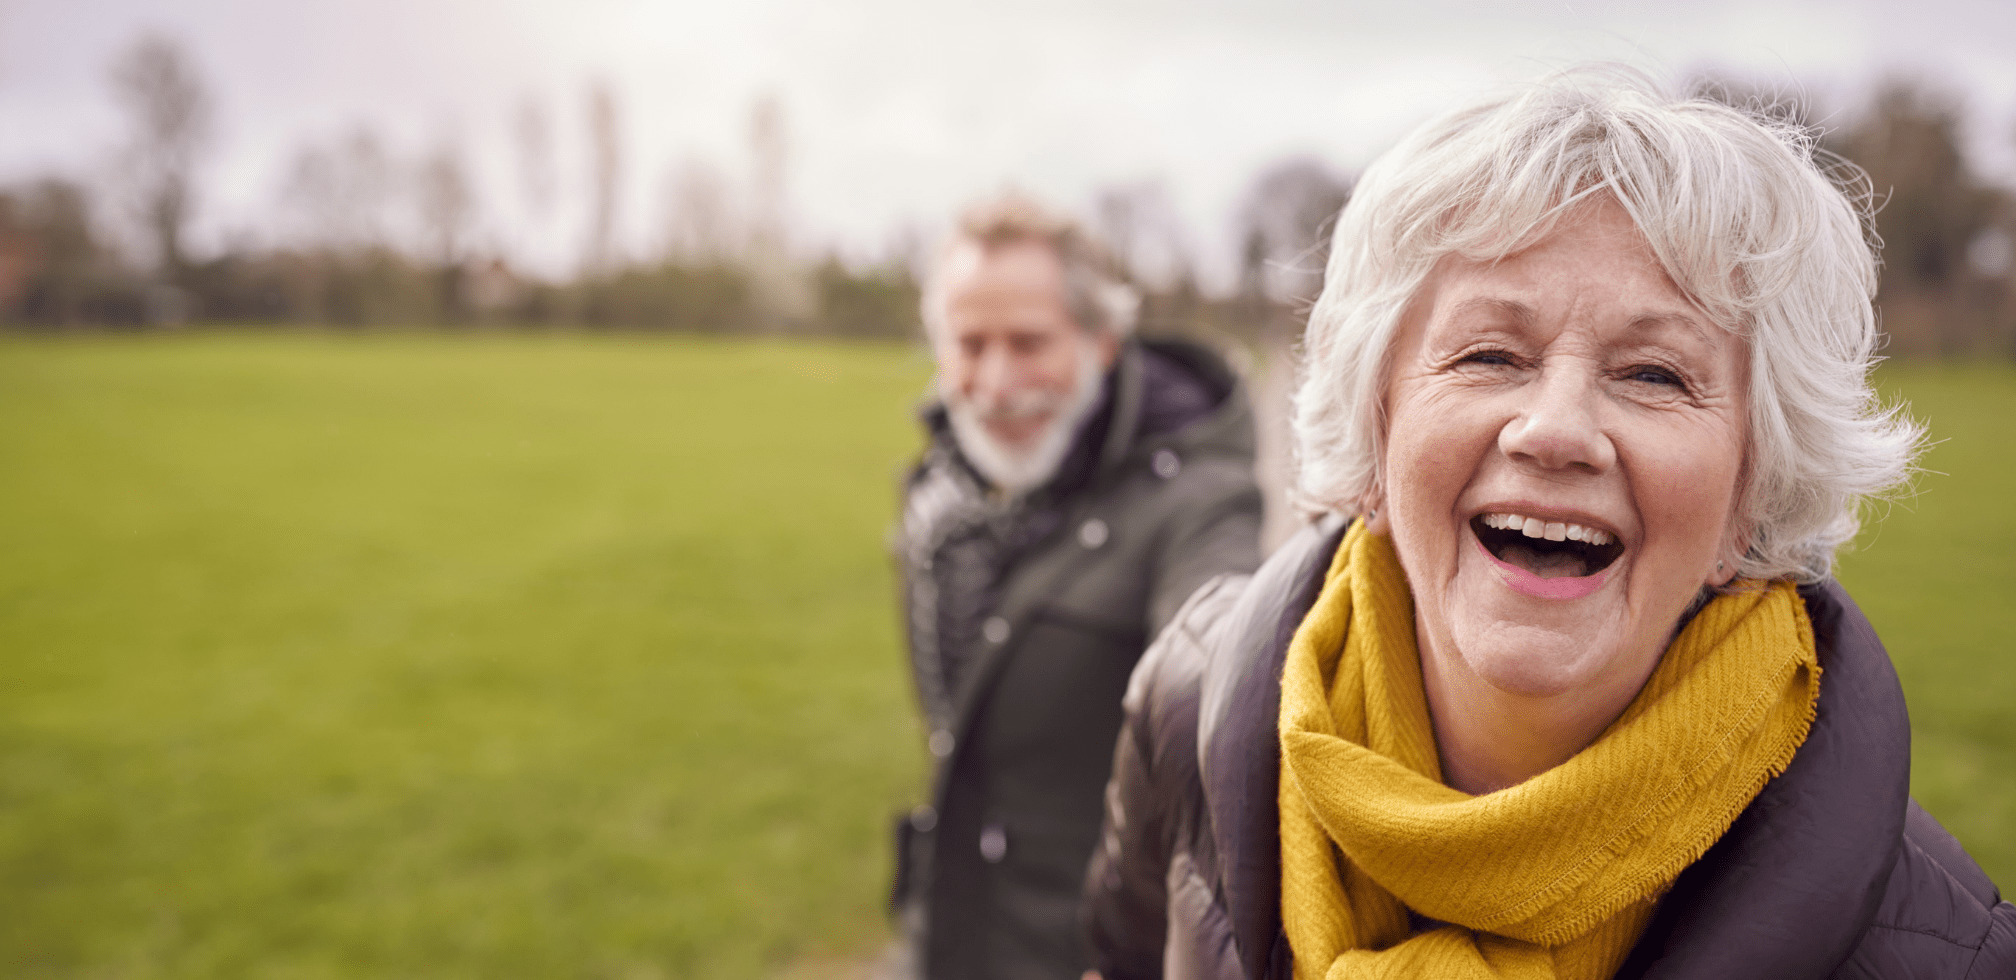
1557, 428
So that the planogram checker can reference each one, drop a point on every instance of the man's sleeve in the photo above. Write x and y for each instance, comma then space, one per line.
1216, 530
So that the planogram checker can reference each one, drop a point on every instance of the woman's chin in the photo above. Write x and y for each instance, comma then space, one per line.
1533, 659
1536, 645
1532, 667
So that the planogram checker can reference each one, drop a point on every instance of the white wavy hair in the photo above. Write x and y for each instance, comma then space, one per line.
1096, 295
1769, 235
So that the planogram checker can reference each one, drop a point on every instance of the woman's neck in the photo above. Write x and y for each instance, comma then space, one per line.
1491, 739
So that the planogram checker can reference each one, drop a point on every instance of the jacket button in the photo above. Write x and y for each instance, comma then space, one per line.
993, 843
941, 743
1092, 533
1166, 464
924, 818
995, 629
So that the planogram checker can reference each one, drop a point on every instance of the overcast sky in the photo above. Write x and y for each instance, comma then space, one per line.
898, 110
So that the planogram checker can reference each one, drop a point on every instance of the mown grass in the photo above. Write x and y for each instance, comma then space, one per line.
329, 656
515, 656
1936, 574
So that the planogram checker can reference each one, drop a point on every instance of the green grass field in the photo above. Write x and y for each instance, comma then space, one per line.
446, 656
567, 656
1936, 574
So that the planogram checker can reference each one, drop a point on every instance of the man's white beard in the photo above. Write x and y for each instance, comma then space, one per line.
1016, 471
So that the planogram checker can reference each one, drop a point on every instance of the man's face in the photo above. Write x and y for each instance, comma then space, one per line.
1008, 350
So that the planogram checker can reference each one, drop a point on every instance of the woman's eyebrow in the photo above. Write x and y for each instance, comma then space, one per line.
1657, 323
1492, 306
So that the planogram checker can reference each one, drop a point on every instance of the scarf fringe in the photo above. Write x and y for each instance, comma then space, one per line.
1666, 871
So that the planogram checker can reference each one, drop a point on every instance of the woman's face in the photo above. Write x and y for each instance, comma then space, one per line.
1565, 435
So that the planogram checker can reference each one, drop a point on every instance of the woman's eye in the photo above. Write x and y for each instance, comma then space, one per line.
1489, 357
1654, 376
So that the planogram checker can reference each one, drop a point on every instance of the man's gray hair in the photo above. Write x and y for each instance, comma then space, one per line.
1095, 294
1768, 234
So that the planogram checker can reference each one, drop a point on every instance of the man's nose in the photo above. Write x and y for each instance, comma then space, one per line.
1557, 426
993, 372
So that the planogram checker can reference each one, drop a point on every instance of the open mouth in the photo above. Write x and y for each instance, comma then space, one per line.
1548, 550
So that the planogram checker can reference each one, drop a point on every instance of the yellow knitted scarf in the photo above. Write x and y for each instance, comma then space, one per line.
1555, 877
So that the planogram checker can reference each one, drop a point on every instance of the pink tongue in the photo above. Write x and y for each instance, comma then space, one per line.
1555, 564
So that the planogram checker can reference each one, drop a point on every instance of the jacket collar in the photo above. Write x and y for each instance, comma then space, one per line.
1239, 755
1793, 885
1809, 858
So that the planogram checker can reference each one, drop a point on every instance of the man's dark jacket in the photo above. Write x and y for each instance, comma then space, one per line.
1831, 872
1020, 670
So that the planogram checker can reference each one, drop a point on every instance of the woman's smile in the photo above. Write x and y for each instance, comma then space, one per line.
1546, 559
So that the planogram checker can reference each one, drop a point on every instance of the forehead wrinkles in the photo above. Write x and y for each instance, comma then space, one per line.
1647, 323
1512, 295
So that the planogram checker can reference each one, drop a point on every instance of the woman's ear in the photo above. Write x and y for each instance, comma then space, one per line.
1730, 558
1372, 510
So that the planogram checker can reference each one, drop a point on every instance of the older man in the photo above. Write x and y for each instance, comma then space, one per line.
1078, 485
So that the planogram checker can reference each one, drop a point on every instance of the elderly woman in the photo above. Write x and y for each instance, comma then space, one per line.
1571, 693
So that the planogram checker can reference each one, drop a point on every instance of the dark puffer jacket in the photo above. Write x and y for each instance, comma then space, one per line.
1832, 872
1025, 624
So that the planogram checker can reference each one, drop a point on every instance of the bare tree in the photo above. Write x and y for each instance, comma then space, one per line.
904, 251
767, 154
1285, 227
1142, 227
605, 172
533, 131
340, 192
784, 291
699, 215
447, 205
538, 179
170, 108
1938, 295
1933, 204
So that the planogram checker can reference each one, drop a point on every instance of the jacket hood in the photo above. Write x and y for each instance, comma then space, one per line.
1179, 395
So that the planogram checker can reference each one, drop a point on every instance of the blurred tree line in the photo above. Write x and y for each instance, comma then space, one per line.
1948, 238
364, 235
1946, 235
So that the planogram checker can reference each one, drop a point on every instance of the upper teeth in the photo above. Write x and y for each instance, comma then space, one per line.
1534, 527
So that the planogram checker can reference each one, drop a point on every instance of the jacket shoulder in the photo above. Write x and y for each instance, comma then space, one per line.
1173, 663
1940, 915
